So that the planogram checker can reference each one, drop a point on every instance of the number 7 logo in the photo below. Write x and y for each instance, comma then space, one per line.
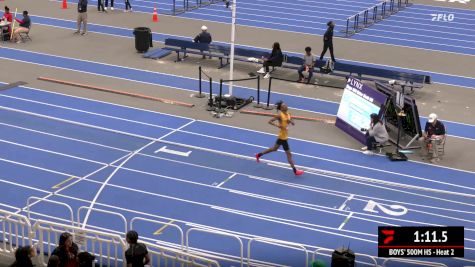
389, 236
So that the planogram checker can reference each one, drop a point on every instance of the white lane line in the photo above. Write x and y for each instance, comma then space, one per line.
345, 221
346, 201
86, 112
178, 36
288, 202
71, 184
25, 186
227, 179
63, 137
50, 152
86, 218
164, 149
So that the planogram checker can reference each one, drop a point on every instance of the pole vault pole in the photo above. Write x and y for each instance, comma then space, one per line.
13, 24
233, 35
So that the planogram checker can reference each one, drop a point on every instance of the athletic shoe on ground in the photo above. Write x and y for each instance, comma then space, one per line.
18, 42
364, 148
261, 71
434, 160
76, 32
298, 172
106, 8
368, 152
84, 33
267, 76
112, 8
257, 158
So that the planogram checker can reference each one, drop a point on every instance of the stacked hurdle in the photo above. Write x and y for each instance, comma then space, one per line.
181, 6
372, 15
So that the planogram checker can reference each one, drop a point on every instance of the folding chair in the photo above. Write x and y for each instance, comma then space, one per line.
25, 35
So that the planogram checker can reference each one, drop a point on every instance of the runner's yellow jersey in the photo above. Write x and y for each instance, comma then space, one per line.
284, 122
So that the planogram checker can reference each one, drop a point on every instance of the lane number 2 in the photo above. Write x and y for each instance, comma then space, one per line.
393, 210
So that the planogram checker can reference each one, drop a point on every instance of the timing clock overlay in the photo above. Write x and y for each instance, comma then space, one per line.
409, 241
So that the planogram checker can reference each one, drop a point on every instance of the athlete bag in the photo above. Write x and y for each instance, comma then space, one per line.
343, 257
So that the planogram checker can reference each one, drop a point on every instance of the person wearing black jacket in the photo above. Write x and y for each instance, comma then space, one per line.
204, 37
328, 41
82, 16
275, 59
137, 254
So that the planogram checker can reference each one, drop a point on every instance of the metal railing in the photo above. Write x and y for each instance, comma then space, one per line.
108, 248
89, 209
214, 232
162, 256
38, 200
164, 224
320, 250
15, 231
275, 242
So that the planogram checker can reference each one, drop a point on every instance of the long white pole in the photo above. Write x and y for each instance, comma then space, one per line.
233, 35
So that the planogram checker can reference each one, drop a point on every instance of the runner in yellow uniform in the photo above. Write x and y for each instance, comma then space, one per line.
284, 119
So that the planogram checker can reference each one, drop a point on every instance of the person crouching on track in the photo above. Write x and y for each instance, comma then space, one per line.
376, 134
275, 59
284, 119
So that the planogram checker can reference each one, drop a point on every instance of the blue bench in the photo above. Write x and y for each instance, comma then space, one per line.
409, 80
190, 47
213, 50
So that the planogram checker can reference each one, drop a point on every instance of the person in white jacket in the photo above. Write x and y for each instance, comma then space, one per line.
376, 134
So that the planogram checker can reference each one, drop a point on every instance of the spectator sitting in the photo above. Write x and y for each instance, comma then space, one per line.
308, 64
53, 261
67, 251
137, 254
375, 134
433, 136
23, 28
204, 37
7, 16
85, 259
275, 59
23, 256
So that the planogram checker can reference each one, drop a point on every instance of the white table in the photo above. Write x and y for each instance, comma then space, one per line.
4, 24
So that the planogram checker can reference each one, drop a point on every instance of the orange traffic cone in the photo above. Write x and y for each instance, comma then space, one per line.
155, 14
65, 4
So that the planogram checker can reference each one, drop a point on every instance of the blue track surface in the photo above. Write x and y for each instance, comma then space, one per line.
189, 84
47, 138
411, 27
436, 77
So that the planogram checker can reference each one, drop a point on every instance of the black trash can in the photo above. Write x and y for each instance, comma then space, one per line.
143, 39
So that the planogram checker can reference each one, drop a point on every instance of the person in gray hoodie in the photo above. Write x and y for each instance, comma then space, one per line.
376, 134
